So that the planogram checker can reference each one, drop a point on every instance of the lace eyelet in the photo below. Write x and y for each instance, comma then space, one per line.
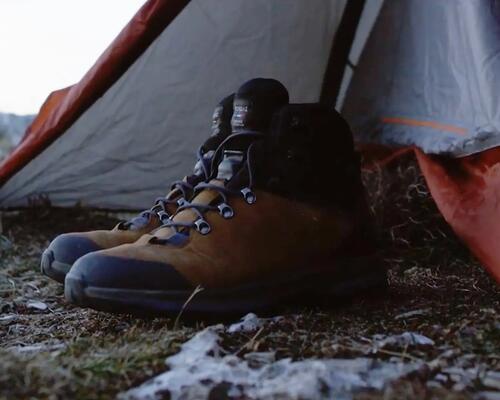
163, 215
225, 210
248, 195
154, 240
181, 201
202, 226
123, 225
146, 214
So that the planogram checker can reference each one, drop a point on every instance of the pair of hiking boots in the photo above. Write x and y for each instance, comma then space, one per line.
274, 214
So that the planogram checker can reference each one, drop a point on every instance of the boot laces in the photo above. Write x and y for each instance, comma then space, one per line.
223, 207
160, 206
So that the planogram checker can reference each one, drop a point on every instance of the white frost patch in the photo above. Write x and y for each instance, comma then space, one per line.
37, 348
414, 313
203, 368
203, 345
250, 322
461, 378
402, 340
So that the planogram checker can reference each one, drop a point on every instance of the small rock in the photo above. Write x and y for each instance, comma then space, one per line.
487, 395
433, 385
252, 322
492, 380
259, 359
248, 323
7, 319
5, 244
459, 387
404, 339
38, 348
37, 305
441, 378
414, 313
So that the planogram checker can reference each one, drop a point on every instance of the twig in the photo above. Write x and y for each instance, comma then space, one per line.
388, 352
197, 290
250, 342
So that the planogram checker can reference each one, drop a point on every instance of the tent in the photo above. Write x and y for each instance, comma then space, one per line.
415, 74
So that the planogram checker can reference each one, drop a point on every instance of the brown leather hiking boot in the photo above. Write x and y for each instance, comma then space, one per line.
283, 220
65, 249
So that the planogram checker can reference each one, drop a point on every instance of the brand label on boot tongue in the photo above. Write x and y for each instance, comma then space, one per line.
243, 115
239, 116
230, 164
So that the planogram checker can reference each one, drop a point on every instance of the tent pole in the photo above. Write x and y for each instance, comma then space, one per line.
339, 53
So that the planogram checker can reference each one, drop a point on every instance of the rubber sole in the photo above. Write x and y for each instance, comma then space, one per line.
52, 268
305, 289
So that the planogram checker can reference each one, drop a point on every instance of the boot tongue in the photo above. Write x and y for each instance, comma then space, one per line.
252, 110
242, 116
255, 103
246, 118
231, 163
221, 129
220, 119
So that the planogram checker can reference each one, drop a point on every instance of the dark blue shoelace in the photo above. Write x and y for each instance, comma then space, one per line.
223, 207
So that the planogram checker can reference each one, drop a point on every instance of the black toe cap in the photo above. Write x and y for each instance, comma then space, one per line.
100, 270
68, 248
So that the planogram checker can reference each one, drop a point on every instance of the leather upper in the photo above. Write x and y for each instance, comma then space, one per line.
270, 237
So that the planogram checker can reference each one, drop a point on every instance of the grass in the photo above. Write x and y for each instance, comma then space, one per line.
437, 289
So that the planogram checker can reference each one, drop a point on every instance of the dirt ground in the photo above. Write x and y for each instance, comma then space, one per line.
49, 349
